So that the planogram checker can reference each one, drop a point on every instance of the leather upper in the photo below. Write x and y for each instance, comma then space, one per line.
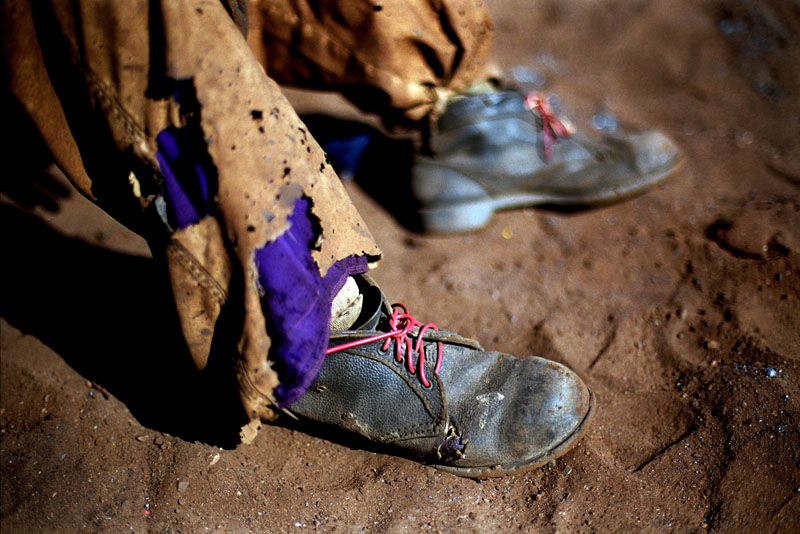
483, 409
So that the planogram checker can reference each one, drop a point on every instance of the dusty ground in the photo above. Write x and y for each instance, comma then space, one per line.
681, 309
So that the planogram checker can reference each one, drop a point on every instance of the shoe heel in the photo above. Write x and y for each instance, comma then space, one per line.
456, 218
451, 200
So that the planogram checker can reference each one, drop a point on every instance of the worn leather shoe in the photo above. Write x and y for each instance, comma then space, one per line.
503, 150
441, 399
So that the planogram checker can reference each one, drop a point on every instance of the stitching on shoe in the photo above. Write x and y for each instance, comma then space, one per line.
411, 384
436, 419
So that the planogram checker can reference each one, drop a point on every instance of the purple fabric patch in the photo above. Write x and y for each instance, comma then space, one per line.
297, 303
186, 166
297, 300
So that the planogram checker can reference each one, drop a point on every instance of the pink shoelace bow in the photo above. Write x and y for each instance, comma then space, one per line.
402, 324
552, 127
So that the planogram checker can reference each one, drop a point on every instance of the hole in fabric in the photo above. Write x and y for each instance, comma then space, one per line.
190, 177
297, 301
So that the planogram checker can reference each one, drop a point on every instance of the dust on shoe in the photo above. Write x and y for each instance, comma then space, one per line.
439, 398
501, 150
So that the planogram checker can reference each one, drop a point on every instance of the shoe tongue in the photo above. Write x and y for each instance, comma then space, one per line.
373, 308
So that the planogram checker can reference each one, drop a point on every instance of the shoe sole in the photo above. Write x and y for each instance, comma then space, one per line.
468, 216
526, 465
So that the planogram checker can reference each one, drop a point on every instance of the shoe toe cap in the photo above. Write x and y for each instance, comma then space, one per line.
548, 410
537, 414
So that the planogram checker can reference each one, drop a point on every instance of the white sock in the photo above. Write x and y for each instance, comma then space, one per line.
346, 305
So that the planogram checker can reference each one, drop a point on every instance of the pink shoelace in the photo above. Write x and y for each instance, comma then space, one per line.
402, 324
552, 127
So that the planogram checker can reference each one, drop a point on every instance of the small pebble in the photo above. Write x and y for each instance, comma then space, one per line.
730, 26
770, 372
743, 139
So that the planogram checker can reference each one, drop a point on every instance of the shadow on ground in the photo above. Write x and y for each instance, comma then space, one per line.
379, 164
125, 337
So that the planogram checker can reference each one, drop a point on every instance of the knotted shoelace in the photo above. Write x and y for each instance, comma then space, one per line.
552, 127
402, 324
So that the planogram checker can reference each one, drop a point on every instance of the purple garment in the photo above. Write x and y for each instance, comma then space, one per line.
297, 300
186, 167
297, 303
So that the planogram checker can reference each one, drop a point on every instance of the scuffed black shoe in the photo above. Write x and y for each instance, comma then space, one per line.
439, 398
502, 150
